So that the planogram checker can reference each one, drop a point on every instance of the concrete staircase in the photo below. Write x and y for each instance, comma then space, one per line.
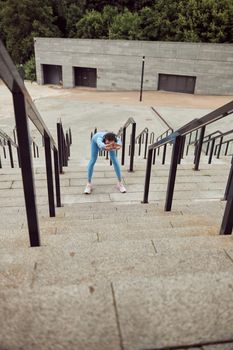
113, 273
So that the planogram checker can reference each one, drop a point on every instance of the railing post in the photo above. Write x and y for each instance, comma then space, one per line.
49, 173
64, 148
34, 149
219, 147
4, 152
140, 145
208, 146
123, 147
132, 146
164, 153
154, 156
189, 141
26, 168
57, 177
226, 150
70, 136
227, 221
146, 143
199, 149
59, 142
0, 162
211, 151
148, 175
68, 144
10, 153
181, 149
227, 190
172, 173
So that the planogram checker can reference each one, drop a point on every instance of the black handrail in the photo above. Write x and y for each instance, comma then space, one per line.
212, 140
6, 140
165, 122
122, 133
227, 142
177, 138
23, 108
140, 140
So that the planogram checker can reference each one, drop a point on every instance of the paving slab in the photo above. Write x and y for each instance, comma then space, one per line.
154, 234
5, 184
175, 311
82, 198
165, 245
77, 317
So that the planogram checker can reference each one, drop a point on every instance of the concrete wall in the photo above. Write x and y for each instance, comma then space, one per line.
119, 62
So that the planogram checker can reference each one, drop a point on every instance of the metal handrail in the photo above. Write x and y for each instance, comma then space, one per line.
218, 136
23, 108
6, 140
212, 140
10, 76
145, 130
122, 133
159, 115
177, 138
6, 137
140, 139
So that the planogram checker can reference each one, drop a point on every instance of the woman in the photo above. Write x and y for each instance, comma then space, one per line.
104, 141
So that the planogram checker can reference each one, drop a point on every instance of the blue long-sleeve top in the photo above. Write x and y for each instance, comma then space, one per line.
98, 139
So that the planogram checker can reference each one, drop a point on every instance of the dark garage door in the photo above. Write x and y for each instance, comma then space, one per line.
52, 74
85, 76
177, 83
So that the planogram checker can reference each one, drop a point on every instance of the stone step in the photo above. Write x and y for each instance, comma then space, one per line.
173, 312
55, 236
77, 262
76, 317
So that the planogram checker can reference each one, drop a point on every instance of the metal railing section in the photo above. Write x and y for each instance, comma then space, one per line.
177, 139
122, 133
5, 140
24, 108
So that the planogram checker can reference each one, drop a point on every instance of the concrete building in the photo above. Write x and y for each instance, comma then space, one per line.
117, 65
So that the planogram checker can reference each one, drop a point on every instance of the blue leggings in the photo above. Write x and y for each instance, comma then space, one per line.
94, 156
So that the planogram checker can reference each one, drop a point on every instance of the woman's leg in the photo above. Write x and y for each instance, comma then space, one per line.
94, 156
116, 164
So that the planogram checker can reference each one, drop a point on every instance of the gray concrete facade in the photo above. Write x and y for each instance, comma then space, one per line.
119, 62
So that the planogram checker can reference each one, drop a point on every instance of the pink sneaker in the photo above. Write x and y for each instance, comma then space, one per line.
121, 187
88, 189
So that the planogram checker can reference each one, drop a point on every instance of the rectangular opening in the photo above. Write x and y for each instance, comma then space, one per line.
52, 74
177, 83
85, 76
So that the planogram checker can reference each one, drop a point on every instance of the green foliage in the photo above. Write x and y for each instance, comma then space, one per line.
30, 69
125, 26
165, 20
21, 21
91, 26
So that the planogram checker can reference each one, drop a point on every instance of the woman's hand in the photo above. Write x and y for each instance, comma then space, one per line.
111, 146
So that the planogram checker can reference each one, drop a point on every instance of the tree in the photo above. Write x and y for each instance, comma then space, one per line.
125, 26
21, 21
73, 14
91, 26
149, 24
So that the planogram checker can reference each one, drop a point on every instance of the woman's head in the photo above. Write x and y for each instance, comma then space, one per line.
109, 137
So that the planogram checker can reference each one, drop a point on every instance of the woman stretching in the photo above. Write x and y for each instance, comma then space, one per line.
104, 141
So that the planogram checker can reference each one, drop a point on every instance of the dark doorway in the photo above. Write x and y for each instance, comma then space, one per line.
85, 76
52, 74
177, 83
